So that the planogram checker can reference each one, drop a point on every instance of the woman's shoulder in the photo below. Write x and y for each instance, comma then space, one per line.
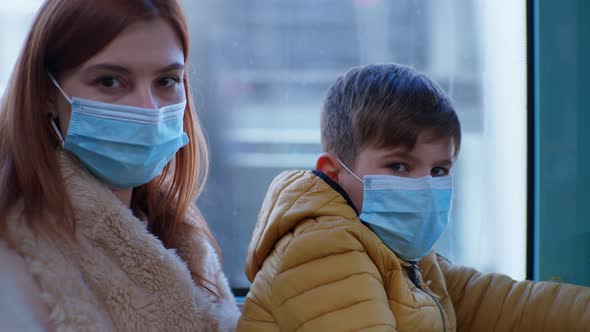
196, 246
22, 307
14, 268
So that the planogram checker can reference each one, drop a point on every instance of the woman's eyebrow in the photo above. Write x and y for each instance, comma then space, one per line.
110, 67
124, 70
171, 67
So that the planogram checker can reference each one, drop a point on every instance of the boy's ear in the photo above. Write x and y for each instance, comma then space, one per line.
328, 164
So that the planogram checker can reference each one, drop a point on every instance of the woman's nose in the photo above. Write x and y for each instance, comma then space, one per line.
145, 98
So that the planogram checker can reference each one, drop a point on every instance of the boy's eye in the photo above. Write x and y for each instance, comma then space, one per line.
438, 171
399, 167
168, 82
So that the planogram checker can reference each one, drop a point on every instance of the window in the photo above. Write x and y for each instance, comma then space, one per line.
16, 18
262, 67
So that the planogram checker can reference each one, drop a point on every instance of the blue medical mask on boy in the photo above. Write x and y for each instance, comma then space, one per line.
123, 146
408, 214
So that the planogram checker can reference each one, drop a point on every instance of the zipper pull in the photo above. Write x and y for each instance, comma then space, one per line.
412, 269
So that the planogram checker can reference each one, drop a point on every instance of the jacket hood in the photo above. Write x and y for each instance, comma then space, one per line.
292, 197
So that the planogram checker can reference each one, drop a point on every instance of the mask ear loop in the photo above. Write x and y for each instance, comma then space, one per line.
55, 131
53, 126
59, 87
349, 171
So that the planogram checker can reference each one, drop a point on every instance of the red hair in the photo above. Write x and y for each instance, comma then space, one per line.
65, 34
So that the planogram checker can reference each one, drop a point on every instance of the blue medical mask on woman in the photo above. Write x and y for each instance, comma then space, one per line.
408, 214
123, 146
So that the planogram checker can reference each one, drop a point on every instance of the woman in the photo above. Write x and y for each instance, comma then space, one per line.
101, 156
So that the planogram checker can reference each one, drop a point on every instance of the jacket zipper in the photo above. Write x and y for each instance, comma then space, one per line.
414, 278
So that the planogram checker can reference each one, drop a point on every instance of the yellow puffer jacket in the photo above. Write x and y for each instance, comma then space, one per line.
316, 267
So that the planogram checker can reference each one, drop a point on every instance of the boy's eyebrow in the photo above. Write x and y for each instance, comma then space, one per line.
400, 154
408, 156
444, 162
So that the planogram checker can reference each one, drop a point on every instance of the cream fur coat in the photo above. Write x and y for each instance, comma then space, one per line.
116, 277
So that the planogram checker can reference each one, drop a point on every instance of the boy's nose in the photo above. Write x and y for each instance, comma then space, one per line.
420, 173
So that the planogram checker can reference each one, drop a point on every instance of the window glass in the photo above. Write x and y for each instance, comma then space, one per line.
16, 18
260, 69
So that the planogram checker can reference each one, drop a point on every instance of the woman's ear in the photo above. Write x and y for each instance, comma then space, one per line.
328, 164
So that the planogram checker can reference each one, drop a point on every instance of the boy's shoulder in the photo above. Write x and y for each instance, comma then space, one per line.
301, 184
294, 197
330, 225
289, 181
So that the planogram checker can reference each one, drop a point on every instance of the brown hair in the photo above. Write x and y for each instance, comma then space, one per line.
386, 105
64, 35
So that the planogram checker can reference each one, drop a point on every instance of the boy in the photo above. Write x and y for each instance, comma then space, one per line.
348, 247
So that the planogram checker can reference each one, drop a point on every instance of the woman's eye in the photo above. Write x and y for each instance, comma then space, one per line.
110, 82
399, 167
168, 82
438, 171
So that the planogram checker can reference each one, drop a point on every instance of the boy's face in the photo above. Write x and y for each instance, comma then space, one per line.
430, 156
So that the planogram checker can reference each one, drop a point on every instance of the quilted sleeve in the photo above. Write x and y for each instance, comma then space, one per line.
494, 302
255, 318
326, 282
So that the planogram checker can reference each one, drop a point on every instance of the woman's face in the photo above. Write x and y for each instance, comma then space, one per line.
143, 66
